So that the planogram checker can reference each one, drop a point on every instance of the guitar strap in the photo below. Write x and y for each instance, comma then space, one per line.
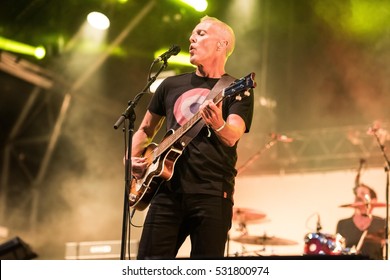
222, 83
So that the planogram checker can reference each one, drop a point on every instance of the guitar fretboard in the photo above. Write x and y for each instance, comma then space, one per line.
177, 134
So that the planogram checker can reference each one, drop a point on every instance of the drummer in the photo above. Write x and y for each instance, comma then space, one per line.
364, 232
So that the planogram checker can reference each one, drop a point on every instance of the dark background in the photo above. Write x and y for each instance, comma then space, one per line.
322, 78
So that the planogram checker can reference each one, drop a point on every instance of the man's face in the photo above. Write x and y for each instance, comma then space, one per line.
362, 194
203, 42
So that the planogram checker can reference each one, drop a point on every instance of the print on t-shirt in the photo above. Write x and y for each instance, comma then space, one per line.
188, 104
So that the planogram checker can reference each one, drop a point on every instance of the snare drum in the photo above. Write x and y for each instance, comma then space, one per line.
324, 244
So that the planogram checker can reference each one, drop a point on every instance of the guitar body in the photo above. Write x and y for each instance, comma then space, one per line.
143, 190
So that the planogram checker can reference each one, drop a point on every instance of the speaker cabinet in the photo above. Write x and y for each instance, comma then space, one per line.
16, 249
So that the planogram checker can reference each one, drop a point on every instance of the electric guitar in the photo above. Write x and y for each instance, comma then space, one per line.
161, 158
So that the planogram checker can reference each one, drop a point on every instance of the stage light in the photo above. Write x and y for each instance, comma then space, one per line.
17, 47
198, 5
98, 20
40, 52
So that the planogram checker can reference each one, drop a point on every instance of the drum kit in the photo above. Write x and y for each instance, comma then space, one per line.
318, 243
315, 243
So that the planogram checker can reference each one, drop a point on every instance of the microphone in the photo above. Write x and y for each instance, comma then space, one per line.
367, 199
174, 50
319, 227
357, 179
281, 138
368, 205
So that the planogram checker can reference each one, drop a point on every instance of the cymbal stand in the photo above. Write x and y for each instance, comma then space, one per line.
241, 228
245, 252
387, 168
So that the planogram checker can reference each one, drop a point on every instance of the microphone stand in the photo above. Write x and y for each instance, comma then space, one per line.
129, 114
387, 168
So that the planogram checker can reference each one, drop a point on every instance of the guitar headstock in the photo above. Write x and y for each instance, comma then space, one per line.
239, 86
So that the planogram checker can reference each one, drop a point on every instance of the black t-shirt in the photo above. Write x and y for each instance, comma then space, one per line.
352, 235
206, 166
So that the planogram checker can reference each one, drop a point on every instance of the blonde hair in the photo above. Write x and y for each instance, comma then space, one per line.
227, 33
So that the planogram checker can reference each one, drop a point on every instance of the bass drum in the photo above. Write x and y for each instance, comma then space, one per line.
324, 244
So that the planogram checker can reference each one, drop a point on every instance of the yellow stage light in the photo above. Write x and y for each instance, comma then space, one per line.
198, 5
17, 47
98, 20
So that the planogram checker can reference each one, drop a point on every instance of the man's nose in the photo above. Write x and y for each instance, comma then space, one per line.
192, 39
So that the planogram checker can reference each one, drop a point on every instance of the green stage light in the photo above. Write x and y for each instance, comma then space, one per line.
355, 17
361, 20
17, 47
198, 5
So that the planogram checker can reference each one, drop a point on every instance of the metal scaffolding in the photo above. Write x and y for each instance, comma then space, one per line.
323, 149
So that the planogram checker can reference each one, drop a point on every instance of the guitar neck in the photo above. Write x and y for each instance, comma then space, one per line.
167, 142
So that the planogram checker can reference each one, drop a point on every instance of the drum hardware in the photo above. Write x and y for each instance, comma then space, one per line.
244, 252
318, 227
264, 240
242, 217
318, 243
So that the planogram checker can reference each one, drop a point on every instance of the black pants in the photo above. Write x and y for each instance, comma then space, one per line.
172, 217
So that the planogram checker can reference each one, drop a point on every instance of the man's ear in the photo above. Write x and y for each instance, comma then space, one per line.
223, 43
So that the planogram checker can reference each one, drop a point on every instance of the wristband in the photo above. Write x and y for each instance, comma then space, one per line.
222, 127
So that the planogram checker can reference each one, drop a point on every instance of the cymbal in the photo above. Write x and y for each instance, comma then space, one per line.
363, 204
244, 215
263, 240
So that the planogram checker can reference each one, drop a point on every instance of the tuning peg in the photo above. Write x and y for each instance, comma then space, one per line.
247, 93
238, 97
